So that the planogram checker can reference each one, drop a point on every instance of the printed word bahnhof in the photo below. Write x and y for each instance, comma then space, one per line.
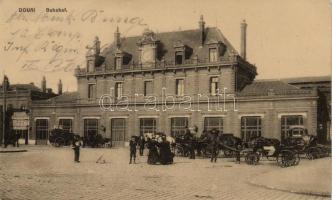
180, 63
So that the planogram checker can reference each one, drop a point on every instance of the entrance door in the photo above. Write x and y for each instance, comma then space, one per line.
118, 131
41, 131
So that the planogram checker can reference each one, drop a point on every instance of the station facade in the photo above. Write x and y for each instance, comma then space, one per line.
164, 82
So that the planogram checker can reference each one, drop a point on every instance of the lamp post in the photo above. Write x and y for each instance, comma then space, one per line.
4, 85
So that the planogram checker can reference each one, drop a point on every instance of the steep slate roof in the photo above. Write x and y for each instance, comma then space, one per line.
190, 38
264, 87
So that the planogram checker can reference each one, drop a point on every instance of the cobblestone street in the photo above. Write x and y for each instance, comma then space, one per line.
50, 173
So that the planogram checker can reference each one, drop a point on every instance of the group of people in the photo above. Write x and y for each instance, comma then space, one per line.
159, 151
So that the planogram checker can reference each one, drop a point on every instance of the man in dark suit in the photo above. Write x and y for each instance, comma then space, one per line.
141, 143
132, 146
214, 145
190, 141
76, 148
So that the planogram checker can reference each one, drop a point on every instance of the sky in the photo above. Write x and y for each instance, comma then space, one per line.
285, 38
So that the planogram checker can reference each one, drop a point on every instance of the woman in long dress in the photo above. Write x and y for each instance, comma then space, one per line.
153, 156
166, 156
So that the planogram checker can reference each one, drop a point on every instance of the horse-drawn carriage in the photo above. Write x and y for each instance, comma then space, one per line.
271, 149
94, 140
295, 144
304, 144
227, 143
60, 137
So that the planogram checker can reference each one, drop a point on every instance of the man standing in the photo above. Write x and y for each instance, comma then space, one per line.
76, 148
141, 143
214, 145
190, 140
17, 138
132, 145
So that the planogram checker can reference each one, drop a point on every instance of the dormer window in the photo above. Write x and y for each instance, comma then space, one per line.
216, 50
213, 55
179, 58
121, 59
182, 52
91, 65
118, 63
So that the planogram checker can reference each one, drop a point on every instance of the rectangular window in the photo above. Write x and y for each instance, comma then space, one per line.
147, 125
91, 91
213, 123
90, 127
178, 126
118, 90
179, 87
118, 131
148, 88
66, 124
289, 120
214, 86
251, 127
178, 58
41, 129
118, 63
213, 55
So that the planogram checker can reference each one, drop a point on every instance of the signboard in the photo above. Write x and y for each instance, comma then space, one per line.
20, 121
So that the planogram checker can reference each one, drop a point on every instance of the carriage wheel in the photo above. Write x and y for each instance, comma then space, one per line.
312, 153
59, 142
228, 153
286, 158
252, 158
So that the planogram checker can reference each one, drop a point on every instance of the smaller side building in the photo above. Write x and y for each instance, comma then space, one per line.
17, 99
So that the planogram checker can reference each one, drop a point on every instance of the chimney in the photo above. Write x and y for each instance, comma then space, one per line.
243, 40
117, 38
97, 45
43, 84
202, 29
60, 87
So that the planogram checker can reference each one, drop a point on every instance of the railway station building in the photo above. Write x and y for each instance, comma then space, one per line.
164, 82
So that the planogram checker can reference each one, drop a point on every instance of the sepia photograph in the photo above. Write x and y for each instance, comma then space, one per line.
153, 99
